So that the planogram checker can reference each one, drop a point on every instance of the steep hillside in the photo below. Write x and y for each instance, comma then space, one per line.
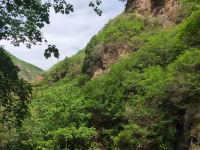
127, 32
134, 87
28, 71
70, 67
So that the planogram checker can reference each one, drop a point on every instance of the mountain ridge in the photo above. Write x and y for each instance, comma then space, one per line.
28, 72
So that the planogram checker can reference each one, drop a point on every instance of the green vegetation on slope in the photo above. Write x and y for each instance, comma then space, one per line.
70, 67
148, 100
28, 71
118, 31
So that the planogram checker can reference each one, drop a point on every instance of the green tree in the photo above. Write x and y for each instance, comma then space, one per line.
14, 95
191, 31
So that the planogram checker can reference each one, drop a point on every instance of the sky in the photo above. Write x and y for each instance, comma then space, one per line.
70, 33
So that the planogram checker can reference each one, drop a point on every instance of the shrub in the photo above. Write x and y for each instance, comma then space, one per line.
191, 31
132, 137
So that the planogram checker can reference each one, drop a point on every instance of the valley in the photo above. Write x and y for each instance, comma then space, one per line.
135, 86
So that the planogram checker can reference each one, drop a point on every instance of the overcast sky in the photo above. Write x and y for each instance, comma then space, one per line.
69, 33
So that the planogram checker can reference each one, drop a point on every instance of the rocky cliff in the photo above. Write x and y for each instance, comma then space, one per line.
166, 10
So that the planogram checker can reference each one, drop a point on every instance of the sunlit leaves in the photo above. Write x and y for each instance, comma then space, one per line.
191, 30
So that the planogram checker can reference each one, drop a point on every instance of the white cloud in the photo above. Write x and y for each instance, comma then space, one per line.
69, 33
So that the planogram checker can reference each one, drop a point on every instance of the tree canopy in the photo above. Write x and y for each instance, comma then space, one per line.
14, 95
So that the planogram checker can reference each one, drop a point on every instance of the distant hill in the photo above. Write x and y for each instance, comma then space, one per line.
28, 71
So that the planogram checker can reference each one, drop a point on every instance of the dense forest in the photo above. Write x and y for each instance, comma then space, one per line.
135, 86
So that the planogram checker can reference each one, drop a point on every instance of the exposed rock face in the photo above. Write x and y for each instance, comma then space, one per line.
109, 55
164, 9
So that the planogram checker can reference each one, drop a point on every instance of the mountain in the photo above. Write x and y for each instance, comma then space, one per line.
28, 71
135, 86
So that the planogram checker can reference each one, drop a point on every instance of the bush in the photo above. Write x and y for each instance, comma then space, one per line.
132, 137
122, 28
191, 30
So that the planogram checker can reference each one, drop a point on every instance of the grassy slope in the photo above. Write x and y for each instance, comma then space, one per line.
28, 71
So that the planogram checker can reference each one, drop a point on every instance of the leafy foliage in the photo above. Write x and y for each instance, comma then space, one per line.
63, 119
191, 31
14, 96
148, 100
15, 92
21, 21
69, 67
131, 137
118, 30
